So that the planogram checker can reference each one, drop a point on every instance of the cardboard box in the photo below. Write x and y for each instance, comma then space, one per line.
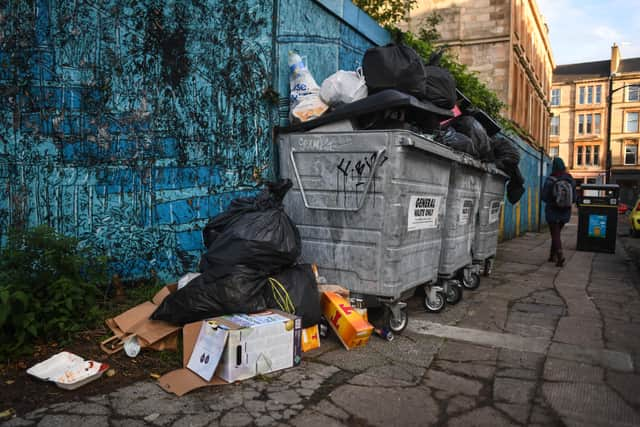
345, 320
259, 343
154, 334
256, 344
310, 338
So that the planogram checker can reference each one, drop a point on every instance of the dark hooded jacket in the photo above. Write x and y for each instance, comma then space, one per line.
553, 213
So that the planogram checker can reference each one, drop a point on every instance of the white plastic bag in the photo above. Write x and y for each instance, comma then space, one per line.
304, 102
344, 87
184, 280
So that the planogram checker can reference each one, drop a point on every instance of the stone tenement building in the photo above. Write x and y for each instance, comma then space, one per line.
579, 126
506, 42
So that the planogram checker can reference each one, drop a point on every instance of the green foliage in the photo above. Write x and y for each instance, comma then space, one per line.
390, 12
428, 32
386, 12
48, 288
466, 80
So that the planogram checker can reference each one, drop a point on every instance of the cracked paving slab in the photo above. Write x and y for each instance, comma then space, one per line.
589, 404
534, 345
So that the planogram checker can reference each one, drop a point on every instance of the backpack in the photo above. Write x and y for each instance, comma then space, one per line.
562, 192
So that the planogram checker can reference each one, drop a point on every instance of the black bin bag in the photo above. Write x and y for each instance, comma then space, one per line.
254, 232
474, 130
394, 66
206, 296
300, 285
246, 244
440, 87
505, 153
457, 141
507, 158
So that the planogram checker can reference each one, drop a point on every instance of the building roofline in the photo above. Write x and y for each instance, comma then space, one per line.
542, 27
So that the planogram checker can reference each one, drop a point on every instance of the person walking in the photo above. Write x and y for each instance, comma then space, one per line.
559, 194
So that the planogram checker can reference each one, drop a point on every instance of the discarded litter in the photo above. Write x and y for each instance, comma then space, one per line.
184, 280
256, 344
249, 242
343, 87
7, 414
352, 330
131, 346
154, 334
304, 97
68, 371
310, 338
208, 350
297, 286
384, 334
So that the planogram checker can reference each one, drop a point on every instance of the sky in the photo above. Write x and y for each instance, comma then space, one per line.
584, 30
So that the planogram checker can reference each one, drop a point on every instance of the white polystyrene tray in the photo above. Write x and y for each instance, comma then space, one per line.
67, 370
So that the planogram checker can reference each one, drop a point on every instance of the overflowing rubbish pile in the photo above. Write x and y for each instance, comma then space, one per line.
395, 89
441, 192
259, 301
249, 279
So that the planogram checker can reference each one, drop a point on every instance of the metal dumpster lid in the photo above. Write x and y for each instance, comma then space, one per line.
492, 168
426, 143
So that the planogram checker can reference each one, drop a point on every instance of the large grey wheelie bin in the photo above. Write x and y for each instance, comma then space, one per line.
485, 242
456, 266
370, 207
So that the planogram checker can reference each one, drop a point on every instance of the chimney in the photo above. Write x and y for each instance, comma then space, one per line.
615, 58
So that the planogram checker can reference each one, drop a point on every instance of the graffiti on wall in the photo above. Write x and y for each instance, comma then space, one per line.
130, 123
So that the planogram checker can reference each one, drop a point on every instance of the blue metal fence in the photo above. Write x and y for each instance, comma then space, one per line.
528, 213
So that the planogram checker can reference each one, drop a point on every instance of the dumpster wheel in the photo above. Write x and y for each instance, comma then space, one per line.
472, 282
435, 304
453, 292
396, 324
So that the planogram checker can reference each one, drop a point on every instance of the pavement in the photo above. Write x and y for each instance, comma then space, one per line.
630, 243
535, 345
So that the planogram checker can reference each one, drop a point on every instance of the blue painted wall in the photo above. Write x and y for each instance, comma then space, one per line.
130, 123
330, 35
528, 213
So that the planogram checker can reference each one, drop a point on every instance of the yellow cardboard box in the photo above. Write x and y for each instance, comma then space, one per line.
345, 320
310, 338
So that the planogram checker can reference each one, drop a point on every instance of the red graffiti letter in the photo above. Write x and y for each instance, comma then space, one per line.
335, 318
347, 310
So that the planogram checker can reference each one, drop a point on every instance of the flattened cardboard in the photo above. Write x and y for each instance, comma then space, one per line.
182, 381
163, 293
155, 334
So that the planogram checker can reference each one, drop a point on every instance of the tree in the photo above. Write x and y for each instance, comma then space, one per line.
387, 12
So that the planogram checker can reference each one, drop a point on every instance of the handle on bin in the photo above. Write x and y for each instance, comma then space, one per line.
374, 170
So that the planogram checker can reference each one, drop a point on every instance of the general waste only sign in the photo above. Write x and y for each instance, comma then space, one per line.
423, 212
